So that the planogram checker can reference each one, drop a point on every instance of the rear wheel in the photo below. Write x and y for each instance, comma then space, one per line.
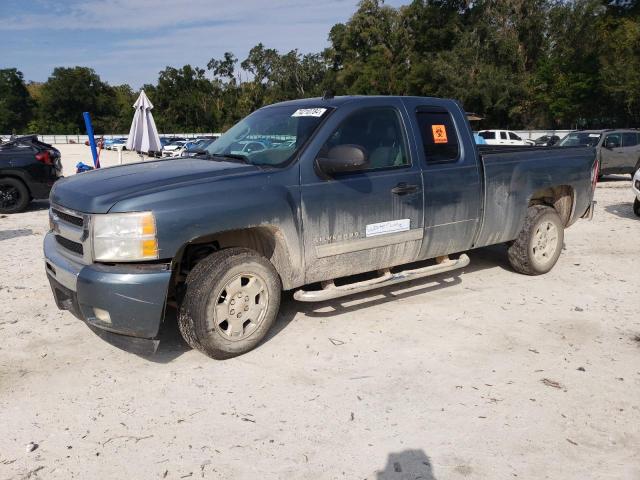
232, 299
14, 195
539, 244
636, 206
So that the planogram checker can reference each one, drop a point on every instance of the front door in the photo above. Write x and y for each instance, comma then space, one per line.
367, 219
611, 153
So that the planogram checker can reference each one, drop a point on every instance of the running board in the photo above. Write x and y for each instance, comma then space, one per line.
330, 290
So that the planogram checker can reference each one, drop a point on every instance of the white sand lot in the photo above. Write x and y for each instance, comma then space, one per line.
486, 374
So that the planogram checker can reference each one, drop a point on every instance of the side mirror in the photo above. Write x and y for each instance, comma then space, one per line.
343, 159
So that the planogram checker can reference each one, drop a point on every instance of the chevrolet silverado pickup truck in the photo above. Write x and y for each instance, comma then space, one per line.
344, 195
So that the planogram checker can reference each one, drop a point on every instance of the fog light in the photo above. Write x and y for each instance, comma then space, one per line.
102, 315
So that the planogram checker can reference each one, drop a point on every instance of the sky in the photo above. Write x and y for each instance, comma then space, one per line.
130, 41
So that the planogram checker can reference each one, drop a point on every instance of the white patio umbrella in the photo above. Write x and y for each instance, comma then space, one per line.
143, 136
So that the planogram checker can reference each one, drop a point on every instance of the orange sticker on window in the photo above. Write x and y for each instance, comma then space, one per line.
439, 133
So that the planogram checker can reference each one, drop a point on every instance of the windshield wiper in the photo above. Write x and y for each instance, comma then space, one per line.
232, 156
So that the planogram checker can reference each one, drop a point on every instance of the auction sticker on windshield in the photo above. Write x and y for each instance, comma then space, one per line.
309, 112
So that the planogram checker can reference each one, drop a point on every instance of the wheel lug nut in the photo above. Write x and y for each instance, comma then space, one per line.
246, 308
239, 315
246, 299
232, 312
233, 302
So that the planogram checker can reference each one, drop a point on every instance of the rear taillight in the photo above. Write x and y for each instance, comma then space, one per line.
44, 157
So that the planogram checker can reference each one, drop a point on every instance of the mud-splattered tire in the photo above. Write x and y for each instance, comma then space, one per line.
232, 298
636, 207
539, 244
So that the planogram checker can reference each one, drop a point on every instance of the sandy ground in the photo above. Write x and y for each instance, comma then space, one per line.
485, 374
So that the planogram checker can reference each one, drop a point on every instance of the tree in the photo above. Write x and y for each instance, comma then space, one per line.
70, 91
16, 105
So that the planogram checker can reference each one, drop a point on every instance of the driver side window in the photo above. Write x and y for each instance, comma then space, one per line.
378, 132
613, 140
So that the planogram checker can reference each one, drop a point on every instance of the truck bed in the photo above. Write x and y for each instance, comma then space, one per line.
512, 175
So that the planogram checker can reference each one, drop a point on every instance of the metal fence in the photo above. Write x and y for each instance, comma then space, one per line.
62, 139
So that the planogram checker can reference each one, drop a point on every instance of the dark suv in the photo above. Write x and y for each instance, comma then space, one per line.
618, 150
28, 170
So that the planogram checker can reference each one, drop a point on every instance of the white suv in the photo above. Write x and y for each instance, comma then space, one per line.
502, 137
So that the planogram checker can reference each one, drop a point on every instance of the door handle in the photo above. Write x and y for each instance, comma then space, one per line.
403, 189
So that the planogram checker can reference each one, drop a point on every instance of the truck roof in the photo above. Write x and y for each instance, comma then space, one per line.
341, 100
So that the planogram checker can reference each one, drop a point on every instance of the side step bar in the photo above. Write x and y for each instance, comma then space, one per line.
330, 290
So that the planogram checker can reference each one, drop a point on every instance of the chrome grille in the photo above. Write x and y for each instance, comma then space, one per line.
77, 221
71, 230
75, 247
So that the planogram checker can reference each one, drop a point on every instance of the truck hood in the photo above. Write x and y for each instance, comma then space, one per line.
97, 191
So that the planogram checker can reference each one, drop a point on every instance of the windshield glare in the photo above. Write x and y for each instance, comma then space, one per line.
269, 136
583, 139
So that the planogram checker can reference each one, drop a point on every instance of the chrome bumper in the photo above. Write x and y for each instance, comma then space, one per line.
59, 267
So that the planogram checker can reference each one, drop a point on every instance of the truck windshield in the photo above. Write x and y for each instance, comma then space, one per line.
269, 136
580, 139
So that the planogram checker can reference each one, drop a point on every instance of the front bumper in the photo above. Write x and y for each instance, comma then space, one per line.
124, 303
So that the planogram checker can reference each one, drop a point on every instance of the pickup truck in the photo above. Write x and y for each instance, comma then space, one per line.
350, 194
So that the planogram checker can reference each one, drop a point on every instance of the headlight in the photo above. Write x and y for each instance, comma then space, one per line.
124, 237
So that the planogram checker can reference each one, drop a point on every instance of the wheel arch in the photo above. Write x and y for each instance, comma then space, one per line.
17, 176
267, 240
560, 197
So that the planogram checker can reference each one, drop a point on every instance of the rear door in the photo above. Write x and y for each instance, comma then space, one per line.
631, 149
451, 177
367, 219
504, 138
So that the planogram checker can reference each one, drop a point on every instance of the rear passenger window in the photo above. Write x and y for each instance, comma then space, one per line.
488, 135
629, 139
439, 136
503, 135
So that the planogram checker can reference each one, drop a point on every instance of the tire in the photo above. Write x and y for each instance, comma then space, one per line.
536, 249
636, 206
14, 195
242, 283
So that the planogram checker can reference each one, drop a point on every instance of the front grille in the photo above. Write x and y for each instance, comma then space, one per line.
72, 219
70, 245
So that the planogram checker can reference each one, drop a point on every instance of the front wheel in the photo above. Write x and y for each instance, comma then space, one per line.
538, 246
232, 298
636, 206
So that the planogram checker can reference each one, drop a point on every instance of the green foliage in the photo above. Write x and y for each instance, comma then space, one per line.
16, 105
518, 63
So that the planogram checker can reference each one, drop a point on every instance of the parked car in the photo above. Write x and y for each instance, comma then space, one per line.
502, 137
193, 149
110, 143
635, 185
618, 151
118, 143
546, 140
28, 170
171, 148
371, 185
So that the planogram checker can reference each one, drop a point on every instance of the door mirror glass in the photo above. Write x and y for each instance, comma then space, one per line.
343, 159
